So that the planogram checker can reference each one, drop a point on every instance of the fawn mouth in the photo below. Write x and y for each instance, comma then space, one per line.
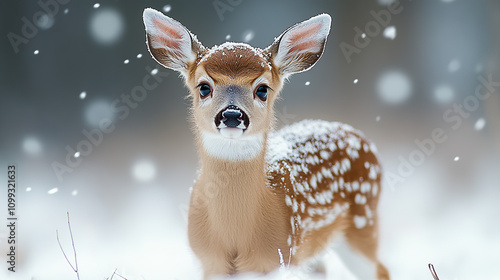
232, 122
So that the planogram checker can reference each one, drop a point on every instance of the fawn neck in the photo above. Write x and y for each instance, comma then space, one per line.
237, 191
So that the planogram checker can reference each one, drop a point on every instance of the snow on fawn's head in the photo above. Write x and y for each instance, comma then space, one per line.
234, 85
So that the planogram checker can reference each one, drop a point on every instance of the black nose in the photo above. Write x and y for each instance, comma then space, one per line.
232, 116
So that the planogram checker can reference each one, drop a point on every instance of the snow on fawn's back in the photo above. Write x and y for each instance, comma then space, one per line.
263, 195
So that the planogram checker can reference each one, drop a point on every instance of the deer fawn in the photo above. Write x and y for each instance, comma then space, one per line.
261, 195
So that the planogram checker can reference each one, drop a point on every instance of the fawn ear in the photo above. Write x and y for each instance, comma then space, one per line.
169, 42
301, 45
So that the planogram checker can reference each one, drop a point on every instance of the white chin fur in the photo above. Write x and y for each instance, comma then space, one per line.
239, 148
231, 133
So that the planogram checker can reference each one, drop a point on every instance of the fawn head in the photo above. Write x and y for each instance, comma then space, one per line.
234, 85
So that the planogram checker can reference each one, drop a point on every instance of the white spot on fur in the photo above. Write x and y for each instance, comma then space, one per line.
327, 173
347, 186
355, 186
366, 148
326, 217
324, 155
341, 144
335, 168
311, 200
313, 182
365, 187
295, 206
324, 197
373, 173
319, 176
360, 199
334, 186
345, 166
360, 221
354, 144
332, 147
299, 187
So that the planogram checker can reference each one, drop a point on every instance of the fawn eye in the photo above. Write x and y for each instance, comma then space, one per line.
261, 92
204, 89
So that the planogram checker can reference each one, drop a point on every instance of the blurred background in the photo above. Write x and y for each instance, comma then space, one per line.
402, 72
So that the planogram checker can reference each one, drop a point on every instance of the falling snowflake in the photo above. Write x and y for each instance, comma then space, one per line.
248, 36
390, 32
167, 8
480, 123
32, 146
443, 93
53, 191
144, 171
394, 87
454, 65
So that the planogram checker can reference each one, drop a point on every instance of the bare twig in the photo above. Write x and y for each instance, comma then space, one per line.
75, 268
114, 273
433, 272
121, 276
59, 242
